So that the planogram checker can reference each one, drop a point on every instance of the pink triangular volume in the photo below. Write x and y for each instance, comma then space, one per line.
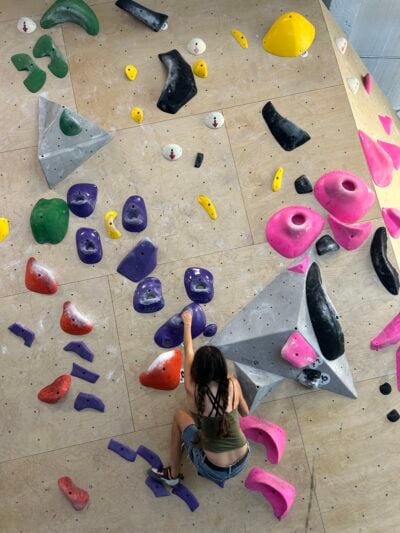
388, 336
301, 267
391, 216
386, 122
398, 368
394, 152
367, 82
379, 162
350, 236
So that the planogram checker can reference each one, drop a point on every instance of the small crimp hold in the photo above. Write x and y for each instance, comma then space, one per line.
82, 373
188, 497
88, 401
26, 25
122, 450
199, 160
4, 228
200, 69
36, 78
21, 331
240, 38
77, 497
196, 46
303, 185
112, 231
385, 389
45, 46
81, 349
393, 416
277, 181
131, 72
137, 114
208, 205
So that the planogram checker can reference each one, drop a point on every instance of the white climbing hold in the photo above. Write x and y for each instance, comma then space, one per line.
341, 44
26, 25
196, 46
214, 120
354, 84
172, 152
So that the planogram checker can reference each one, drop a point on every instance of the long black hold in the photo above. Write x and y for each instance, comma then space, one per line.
180, 86
385, 271
151, 18
288, 135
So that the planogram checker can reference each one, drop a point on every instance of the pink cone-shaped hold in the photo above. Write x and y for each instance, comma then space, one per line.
391, 216
291, 230
367, 82
271, 436
398, 368
349, 236
393, 150
346, 196
379, 162
279, 493
301, 267
387, 123
78, 498
298, 352
388, 336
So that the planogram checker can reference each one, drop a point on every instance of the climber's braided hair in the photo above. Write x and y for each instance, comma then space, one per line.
209, 364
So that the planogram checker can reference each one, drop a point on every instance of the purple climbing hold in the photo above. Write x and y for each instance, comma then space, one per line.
82, 373
157, 488
21, 331
149, 456
188, 497
140, 261
88, 401
134, 214
88, 245
148, 297
210, 330
80, 349
121, 449
81, 199
199, 284
170, 334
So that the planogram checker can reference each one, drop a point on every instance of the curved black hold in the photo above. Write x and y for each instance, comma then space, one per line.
303, 185
323, 316
326, 244
288, 135
385, 271
151, 18
385, 388
180, 86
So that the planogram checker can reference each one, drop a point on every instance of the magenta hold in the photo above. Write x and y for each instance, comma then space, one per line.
349, 236
301, 268
391, 216
388, 336
393, 151
271, 436
379, 162
298, 352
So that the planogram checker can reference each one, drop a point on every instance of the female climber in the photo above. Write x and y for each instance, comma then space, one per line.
210, 432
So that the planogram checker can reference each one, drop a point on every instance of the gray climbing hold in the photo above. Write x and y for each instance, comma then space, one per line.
256, 384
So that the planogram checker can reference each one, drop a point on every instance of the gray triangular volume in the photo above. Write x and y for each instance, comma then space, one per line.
256, 384
60, 154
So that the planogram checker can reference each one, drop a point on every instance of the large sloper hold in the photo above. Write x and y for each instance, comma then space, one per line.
286, 133
385, 271
170, 334
152, 19
180, 86
49, 220
323, 316
45, 46
75, 11
36, 78
140, 261
61, 147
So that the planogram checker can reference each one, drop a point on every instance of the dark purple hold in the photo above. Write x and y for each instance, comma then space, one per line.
151, 457
211, 330
88, 245
82, 373
170, 334
21, 331
140, 261
157, 488
122, 450
199, 285
80, 349
81, 199
199, 160
219, 483
88, 401
148, 297
134, 214
188, 497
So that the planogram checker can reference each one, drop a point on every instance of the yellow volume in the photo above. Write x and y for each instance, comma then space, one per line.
241, 39
277, 181
112, 231
208, 205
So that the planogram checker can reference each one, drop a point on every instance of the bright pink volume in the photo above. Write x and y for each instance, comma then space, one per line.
301, 267
386, 122
349, 236
393, 151
398, 368
388, 336
298, 352
379, 162
391, 216
271, 436
367, 82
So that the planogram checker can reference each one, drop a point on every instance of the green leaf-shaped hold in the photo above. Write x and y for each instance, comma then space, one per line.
76, 11
69, 125
35, 81
49, 220
45, 46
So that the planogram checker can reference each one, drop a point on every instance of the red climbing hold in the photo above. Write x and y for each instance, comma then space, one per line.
73, 322
164, 372
38, 278
56, 390
78, 498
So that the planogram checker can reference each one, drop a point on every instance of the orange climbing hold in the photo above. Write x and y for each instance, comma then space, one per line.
78, 498
164, 371
73, 322
38, 278
56, 390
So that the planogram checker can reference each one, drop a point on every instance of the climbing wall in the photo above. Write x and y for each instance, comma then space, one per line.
341, 453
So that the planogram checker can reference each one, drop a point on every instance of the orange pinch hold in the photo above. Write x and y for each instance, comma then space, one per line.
73, 322
164, 371
78, 498
56, 390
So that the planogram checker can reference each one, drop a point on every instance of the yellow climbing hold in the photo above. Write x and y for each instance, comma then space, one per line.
241, 39
205, 202
112, 231
200, 68
131, 72
289, 36
4, 229
137, 114
277, 181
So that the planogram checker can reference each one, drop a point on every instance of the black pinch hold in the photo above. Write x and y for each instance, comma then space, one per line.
151, 18
199, 160
326, 244
303, 185
286, 133
393, 416
385, 271
323, 316
180, 86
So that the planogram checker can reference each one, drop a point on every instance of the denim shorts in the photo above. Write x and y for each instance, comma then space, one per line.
197, 457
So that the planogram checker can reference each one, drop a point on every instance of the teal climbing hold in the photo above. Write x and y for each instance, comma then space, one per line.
76, 11
35, 81
69, 125
45, 46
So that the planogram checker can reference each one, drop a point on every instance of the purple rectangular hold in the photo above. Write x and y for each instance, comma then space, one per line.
81, 349
149, 456
82, 373
88, 401
21, 331
188, 497
122, 450
157, 488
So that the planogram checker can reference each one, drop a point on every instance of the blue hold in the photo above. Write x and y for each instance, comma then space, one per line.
199, 284
148, 297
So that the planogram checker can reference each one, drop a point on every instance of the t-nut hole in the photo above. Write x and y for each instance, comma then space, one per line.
298, 219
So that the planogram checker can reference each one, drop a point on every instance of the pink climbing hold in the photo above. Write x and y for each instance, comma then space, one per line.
271, 436
398, 368
386, 122
346, 196
301, 267
349, 236
388, 336
291, 230
379, 162
393, 150
391, 216
298, 352
367, 82
278, 492
78, 498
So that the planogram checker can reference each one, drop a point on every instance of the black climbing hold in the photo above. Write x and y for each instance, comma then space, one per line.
385, 388
385, 271
323, 316
199, 160
393, 416
303, 185
180, 86
288, 135
326, 244
151, 18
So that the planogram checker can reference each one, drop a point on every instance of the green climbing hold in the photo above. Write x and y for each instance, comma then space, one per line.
35, 81
49, 220
76, 11
69, 125
45, 46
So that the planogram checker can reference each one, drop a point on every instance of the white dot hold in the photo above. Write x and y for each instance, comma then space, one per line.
26, 25
172, 152
196, 46
354, 84
341, 44
214, 120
